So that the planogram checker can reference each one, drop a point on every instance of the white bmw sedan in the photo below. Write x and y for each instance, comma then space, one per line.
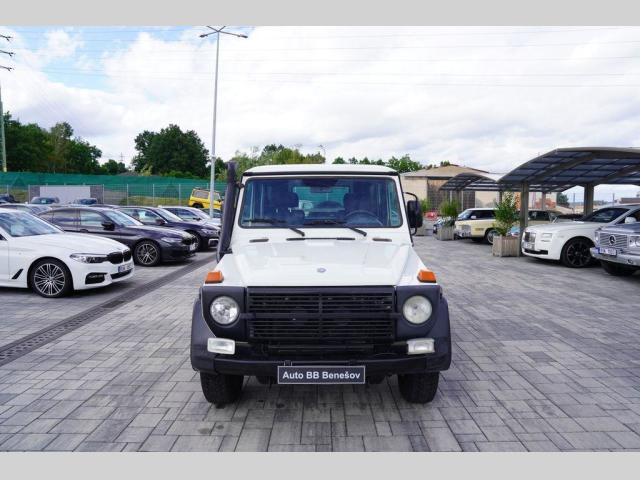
35, 254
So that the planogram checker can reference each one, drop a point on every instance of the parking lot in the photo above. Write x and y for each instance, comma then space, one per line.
545, 358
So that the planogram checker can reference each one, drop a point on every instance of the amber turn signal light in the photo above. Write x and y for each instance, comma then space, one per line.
214, 277
426, 276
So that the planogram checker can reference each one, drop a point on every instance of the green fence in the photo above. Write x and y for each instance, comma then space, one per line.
112, 189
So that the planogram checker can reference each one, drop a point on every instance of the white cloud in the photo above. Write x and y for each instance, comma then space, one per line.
486, 97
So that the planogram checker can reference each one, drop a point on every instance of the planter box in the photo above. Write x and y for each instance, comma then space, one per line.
445, 233
505, 246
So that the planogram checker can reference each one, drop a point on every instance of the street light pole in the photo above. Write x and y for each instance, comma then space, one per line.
212, 187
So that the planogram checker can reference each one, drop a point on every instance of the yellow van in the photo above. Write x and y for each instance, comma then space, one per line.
477, 223
200, 199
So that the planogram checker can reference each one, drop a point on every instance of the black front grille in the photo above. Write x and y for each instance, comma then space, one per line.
127, 255
314, 316
116, 257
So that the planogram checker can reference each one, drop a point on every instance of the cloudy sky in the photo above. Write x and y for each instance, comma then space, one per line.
485, 97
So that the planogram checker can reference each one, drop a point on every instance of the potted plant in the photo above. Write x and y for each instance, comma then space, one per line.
506, 216
449, 211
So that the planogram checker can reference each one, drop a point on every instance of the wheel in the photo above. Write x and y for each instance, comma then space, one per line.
197, 205
146, 253
477, 240
488, 236
221, 389
419, 387
198, 238
617, 270
50, 278
575, 253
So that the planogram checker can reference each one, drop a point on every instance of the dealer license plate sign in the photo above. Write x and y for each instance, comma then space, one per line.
529, 246
320, 375
125, 268
608, 251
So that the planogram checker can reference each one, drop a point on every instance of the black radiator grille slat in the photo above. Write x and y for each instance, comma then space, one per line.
349, 318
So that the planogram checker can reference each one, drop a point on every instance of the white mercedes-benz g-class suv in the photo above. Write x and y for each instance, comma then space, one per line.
317, 282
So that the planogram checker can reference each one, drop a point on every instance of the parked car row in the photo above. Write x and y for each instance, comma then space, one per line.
55, 249
610, 235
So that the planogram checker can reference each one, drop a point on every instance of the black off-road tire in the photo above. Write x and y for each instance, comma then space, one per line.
576, 254
419, 387
617, 270
221, 389
197, 205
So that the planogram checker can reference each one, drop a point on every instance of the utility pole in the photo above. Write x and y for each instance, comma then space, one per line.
216, 32
3, 151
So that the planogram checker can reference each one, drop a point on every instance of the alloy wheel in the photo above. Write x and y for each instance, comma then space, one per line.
147, 253
578, 254
49, 279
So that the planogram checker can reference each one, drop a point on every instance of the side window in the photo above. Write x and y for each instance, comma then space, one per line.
145, 216
91, 219
64, 218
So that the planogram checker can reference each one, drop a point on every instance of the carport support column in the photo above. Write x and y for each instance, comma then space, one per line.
461, 200
524, 213
588, 199
543, 201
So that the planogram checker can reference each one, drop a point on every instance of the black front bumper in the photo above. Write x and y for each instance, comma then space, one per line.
254, 359
176, 252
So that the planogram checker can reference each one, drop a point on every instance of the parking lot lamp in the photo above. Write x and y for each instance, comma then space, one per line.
216, 32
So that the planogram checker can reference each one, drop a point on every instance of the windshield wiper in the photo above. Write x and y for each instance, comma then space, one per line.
275, 221
329, 221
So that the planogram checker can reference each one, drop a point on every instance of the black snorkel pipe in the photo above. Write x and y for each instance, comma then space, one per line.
228, 211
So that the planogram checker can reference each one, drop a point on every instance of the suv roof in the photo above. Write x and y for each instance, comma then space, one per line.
320, 168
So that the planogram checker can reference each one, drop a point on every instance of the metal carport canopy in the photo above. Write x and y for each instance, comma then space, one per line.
563, 168
472, 181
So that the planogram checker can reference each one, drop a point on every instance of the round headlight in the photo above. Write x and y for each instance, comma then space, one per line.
224, 310
417, 309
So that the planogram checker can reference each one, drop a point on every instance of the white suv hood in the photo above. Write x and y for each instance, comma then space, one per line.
319, 263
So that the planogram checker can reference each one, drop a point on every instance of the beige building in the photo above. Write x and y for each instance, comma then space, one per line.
425, 184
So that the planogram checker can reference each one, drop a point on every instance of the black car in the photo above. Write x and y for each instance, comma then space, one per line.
85, 201
206, 234
150, 245
26, 207
7, 198
45, 200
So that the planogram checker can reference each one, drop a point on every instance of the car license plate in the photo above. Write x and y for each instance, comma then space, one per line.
529, 246
325, 375
608, 251
192, 247
125, 268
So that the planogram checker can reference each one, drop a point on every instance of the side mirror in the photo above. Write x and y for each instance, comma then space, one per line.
414, 214
630, 219
159, 221
473, 217
110, 226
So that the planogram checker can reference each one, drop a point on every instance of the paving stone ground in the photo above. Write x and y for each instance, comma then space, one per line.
545, 359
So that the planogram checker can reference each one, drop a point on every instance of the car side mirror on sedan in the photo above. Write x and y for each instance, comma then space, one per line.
630, 219
160, 222
473, 217
110, 226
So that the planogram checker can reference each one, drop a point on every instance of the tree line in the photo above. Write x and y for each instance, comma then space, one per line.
168, 152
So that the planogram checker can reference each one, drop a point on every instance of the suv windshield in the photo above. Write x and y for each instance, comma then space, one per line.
320, 202
25, 225
605, 215
121, 219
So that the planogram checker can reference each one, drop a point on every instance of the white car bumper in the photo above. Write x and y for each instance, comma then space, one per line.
539, 248
94, 275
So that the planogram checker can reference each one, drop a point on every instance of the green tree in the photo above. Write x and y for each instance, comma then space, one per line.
60, 136
339, 161
562, 200
111, 167
506, 213
404, 164
28, 147
170, 150
82, 157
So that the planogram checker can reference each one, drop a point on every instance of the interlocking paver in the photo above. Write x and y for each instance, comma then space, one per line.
562, 374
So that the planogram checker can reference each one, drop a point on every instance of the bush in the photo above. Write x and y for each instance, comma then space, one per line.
506, 214
425, 204
449, 210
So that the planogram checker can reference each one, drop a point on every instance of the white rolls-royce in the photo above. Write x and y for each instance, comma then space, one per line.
35, 254
570, 242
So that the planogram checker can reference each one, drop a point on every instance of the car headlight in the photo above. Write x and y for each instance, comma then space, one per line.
545, 237
209, 231
88, 257
171, 239
634, 241
417, 309
224, 310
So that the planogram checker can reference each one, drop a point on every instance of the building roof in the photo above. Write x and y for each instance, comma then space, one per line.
442, 172
563, 168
